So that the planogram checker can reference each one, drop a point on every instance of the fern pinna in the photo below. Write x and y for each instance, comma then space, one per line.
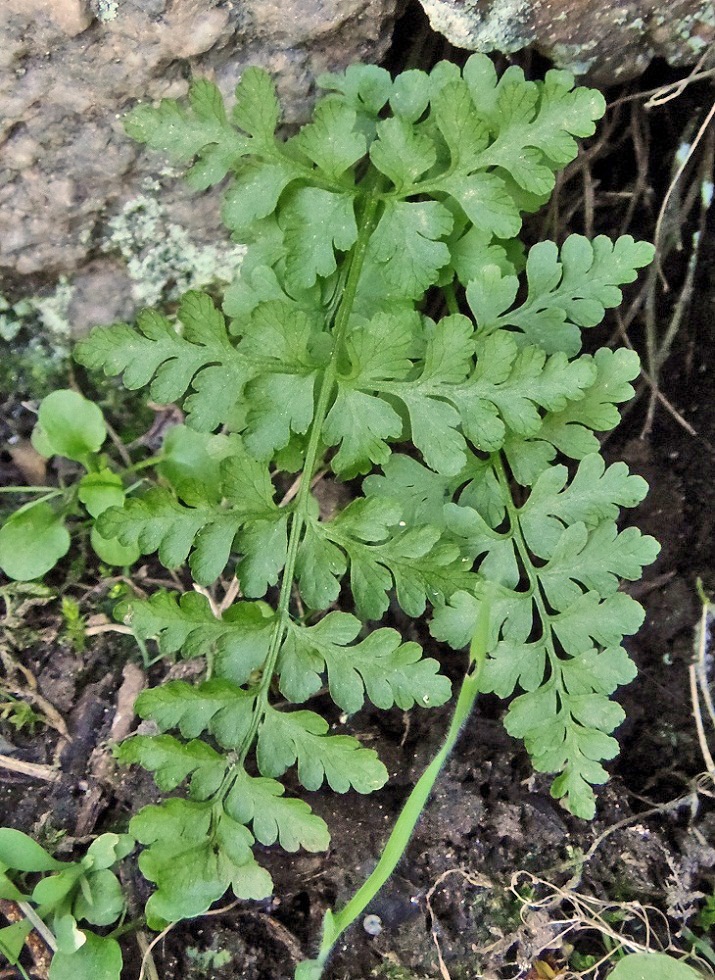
324, 361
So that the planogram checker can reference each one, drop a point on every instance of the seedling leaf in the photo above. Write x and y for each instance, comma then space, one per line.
98, 956
69, 425
32, 541
653, 966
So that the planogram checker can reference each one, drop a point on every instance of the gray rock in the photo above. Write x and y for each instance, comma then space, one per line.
610, 41
69, 70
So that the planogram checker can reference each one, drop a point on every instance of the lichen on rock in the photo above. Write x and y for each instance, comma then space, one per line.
162, 258
502, 26
611, 41
70, 70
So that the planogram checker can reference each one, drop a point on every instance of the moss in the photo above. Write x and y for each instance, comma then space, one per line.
50, 313
39, 329
208, 960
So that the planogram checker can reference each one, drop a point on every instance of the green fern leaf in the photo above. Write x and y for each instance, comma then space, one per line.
534, 122
568, 290
317, 222
332, 141
594, 494
381, 666
300, 736
219, 707
401, 153
193, 857
257, 110
274, 817
571, 429
236, 644
393, 189
564, 537
380, 550
173, 761
419, 227
366, 88
184, 133
175, 362
157, 521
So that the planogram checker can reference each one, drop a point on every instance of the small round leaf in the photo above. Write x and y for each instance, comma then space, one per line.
32, 541
52, 889
41, 443
101, 490
98, 957
653, 966
107, 849
112, 551
22, 853
70, 937
69, 425
104, 901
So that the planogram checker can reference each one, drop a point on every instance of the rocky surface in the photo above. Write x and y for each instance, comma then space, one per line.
84, 207
610, 41
69, 69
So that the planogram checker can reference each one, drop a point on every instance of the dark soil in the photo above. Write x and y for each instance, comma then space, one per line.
498, 882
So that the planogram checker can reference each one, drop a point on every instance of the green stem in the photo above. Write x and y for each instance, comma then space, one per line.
52, 490
334, 924
312, 460
48, 494
450, 296
703, 947
133, 926
531, 572
144, 464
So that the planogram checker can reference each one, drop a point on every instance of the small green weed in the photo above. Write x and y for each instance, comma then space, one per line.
74, 624
66, 894
706, 915
18, 713
653, 966
37, 535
